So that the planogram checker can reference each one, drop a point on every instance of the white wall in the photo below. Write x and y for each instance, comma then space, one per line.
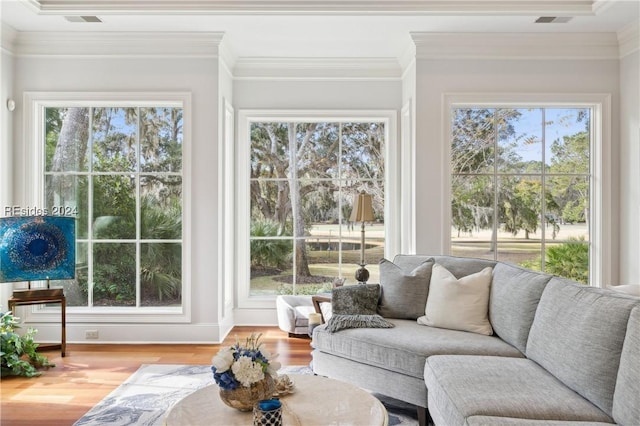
408, 158
199, 76
6, 149
630, 169
226, 214
317, 94
436, 77
423, 85
210, 83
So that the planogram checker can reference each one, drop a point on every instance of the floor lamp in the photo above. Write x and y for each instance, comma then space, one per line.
362, 212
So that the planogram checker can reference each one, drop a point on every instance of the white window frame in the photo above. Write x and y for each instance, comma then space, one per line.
243, 146
33, 195
600, 200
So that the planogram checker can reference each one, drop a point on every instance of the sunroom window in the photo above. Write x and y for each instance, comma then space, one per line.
297, 174
521, 185
304, 176
118, 169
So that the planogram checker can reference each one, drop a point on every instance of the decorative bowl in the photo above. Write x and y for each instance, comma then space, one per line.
244, 398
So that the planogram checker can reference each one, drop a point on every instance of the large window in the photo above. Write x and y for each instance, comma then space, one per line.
304, 177
298, 174
119, 171
521, 187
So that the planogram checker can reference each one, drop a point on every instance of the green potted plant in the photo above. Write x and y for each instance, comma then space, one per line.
18, 352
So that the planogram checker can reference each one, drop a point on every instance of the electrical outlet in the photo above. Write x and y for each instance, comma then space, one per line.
91, 334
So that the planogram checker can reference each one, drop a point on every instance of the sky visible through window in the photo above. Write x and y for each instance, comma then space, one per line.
559, 122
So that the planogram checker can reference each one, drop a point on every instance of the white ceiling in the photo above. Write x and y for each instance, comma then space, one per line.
311, 28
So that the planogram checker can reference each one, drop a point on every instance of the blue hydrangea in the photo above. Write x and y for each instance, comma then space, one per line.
225, 380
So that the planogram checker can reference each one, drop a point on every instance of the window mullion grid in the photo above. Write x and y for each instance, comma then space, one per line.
89, 174
543, 180
496, 212
293, 180
138, 212
341, 220
90, 213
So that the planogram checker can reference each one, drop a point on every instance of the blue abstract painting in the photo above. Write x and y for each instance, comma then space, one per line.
37, 248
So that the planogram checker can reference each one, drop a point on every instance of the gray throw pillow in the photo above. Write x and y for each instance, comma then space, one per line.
404, 293
355, 306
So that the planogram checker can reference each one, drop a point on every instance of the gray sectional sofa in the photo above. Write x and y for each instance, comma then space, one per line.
560, 353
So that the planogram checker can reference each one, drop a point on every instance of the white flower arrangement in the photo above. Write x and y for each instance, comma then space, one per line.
238, 365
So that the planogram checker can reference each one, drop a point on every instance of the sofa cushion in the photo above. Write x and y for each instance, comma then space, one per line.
458, 304
577, 336
515, 293
510, 421
403, 349
463, 386
404, 294
626, 397
458, 266
355, 306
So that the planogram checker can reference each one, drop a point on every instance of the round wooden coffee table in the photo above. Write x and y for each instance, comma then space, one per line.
315, 401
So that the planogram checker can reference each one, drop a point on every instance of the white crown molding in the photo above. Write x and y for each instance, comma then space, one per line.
369, 7
515, 45
601, 6
126, 44
407, 57
226, 57
317, 68
629, 39
8, 38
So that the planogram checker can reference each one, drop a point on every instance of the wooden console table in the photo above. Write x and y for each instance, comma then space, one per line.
39, 297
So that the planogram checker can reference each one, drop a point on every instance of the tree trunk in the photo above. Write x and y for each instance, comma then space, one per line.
281, 209
302, 263
70, 154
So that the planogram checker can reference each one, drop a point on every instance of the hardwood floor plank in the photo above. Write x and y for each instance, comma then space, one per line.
89, 372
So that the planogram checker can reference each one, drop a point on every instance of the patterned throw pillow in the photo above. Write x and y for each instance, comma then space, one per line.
355, 306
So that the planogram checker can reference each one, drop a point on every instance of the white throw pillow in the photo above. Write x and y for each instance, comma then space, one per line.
632, 289
458, 304
325, 309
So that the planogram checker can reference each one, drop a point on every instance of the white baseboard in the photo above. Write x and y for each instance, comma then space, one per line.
131, 333
185, 333
257, 317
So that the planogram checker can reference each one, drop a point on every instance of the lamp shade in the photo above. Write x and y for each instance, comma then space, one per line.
362, 208
37, 248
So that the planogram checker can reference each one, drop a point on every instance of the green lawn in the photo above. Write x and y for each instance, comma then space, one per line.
323, 263
511, 249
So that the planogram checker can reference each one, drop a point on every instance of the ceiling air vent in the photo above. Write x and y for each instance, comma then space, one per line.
553, 20
82, 19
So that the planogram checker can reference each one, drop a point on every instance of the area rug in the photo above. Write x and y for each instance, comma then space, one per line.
147, 394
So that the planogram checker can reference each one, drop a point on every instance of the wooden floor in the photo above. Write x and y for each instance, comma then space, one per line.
61, 395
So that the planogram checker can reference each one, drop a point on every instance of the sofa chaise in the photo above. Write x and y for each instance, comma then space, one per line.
560, 353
